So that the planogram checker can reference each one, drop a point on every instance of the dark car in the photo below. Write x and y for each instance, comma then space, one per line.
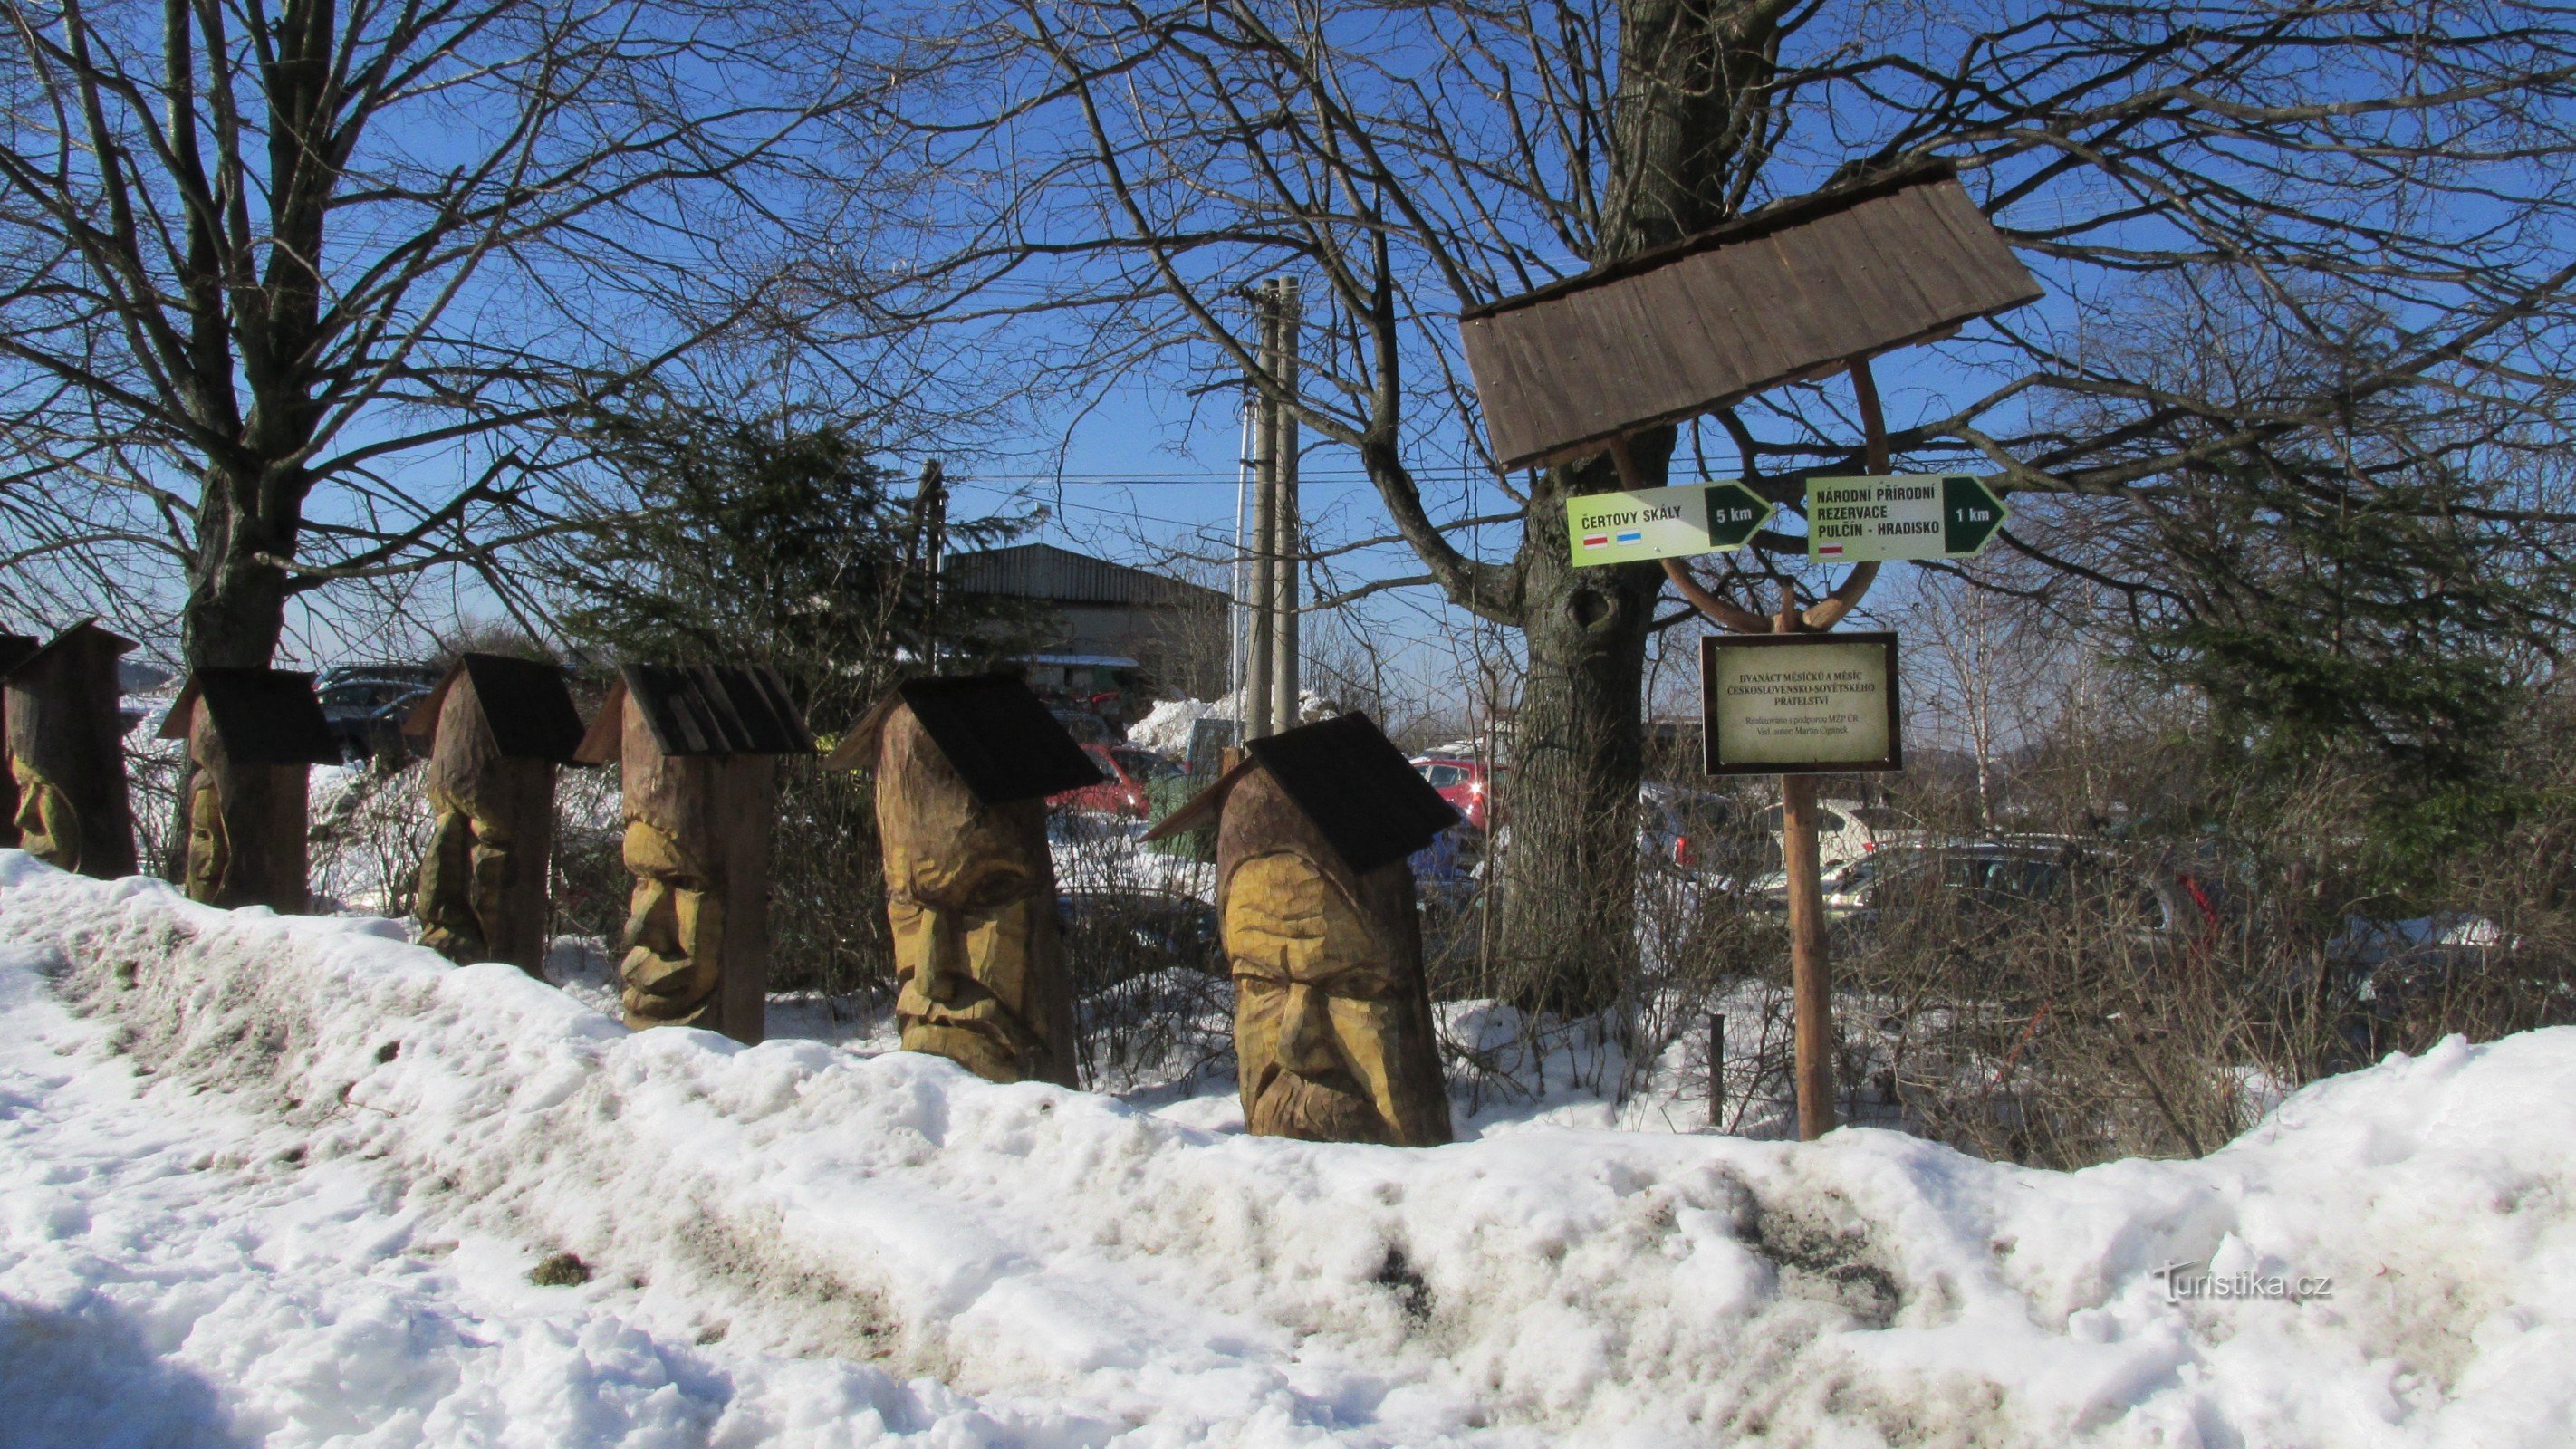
365, 706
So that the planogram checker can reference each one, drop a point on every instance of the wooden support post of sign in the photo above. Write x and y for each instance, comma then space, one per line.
1810, 969
1716, 1070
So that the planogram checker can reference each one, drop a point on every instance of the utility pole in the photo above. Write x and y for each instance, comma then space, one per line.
1263, 651
929, 543
1290, 547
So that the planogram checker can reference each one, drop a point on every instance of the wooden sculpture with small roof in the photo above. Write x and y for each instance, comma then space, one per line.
253, 736
497, 728
698, 749
963, 769
1333, 1039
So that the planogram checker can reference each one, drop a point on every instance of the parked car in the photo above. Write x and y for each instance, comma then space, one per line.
1691, 831
1843, 831
1465, 783
2008, 876
365, 706
1128, 790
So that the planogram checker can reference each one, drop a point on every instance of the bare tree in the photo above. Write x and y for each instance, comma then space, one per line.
1148, 159
291, 293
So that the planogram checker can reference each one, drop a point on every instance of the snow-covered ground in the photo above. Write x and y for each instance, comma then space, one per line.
283, 1181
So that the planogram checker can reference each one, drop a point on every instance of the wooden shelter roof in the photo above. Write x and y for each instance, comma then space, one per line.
699, 709
263, 716
1791, 291
993, 730
526, 703
1350, 780
85, 629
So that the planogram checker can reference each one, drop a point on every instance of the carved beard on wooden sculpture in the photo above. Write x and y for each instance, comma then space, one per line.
1332, 1023
464, 880
48, 825
970, 894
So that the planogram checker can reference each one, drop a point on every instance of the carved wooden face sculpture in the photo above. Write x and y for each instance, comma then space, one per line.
1332, 1025
209, 843
674, 929
970, 895
48, 825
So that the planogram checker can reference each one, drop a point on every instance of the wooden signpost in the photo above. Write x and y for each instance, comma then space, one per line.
698, 747
253, 736
1791, 293
497, 729
66, 747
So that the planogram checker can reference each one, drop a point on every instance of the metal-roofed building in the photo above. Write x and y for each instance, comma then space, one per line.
1106, 621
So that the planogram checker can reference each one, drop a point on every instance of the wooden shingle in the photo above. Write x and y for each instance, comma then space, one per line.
1792, 291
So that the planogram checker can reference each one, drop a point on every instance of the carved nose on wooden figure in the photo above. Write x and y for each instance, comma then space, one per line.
1306, 1035
945, 961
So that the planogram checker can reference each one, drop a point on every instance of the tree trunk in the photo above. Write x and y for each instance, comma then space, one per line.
1577, 754
1692, 77
235, 610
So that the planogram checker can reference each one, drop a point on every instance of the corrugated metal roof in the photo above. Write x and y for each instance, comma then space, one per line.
1785, 293
1061, 576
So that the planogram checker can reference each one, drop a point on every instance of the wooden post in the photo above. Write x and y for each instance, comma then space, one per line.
245, 827
1717, 1069
718, 810
1261, 653
1810, 968
1288, 543
1810, 971
67, 754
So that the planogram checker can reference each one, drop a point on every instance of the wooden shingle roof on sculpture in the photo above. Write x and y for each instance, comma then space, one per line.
1792, 291
526, 703
993, 730
84, 630
1363, 796
699, 709
261, 716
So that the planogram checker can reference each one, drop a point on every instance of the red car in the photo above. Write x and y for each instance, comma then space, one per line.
1464, 783
1128, 790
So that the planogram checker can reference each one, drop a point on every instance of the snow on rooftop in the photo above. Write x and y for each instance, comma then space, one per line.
280, 1180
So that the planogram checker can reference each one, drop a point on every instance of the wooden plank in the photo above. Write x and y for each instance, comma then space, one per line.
1778, 295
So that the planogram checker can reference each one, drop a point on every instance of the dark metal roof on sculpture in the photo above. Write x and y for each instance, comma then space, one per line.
260, 716
1348, 778
993, 731
86, 629
699, 709
1792, 291
526, 703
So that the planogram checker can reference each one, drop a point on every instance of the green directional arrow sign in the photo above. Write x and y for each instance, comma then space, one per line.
1735, 514
1970, 514
1899, 516
1652, 523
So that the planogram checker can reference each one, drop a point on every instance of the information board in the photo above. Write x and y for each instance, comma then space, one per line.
1799, 704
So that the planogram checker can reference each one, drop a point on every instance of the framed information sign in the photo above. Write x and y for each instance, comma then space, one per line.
1799, 704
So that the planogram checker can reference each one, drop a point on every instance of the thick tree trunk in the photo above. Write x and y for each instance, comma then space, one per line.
1577, 756
1691, 92
235, 611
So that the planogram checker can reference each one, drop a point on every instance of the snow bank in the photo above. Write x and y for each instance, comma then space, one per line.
1172, 1285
